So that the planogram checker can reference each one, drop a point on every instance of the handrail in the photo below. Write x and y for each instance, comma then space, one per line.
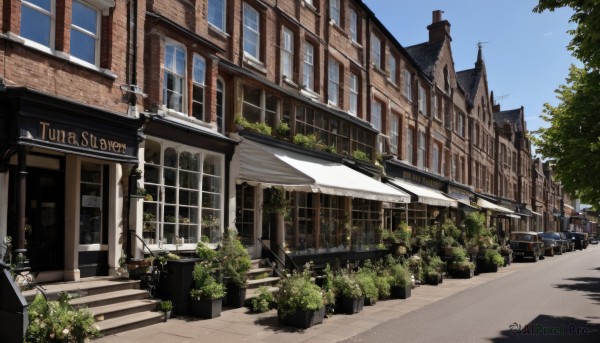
272, 255
143, 243
288, 257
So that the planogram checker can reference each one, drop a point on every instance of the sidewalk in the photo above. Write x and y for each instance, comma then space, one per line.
240, 325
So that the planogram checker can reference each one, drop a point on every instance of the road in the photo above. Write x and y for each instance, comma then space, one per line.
554, 300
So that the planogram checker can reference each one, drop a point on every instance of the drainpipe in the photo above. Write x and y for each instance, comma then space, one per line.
21, 252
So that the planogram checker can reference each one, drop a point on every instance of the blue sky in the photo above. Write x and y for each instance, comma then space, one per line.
525, 53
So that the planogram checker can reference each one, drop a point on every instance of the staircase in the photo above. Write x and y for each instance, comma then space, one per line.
117, 304
261, 274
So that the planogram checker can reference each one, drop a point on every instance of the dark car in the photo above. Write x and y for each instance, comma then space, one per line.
549, 244
570, 238
561, 241
580, 240
526, 244
594, 240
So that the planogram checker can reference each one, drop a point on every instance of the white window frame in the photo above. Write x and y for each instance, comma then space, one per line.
408, 84
410, 146
392, 65
251, 32
353, 25
94, 36
197, 62
422, 100
334, 11
394, 122
287, 53
421, 149
218, 7
221, 89
434, 106
333, 82
354, 93
376, 115
51, 15
308, 70
376, 51
436, 158
176, 46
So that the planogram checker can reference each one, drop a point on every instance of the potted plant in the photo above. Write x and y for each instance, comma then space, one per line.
350, 298
401, 281
300, 301
434, 271
326, 284
493, 260
166, 306
263, 302
506, 253
207, 293
234, 263
366, 281
460, 267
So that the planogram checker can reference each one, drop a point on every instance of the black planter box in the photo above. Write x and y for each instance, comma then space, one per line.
433, 280
370, 301
349, 306
400, 292
177, 284
302, 319
236, 295
491, 268
208, 309
463, 274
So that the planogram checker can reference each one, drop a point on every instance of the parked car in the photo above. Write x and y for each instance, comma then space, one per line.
549, 244
526, 244
580, 240
561, 241
571, 239
594, 240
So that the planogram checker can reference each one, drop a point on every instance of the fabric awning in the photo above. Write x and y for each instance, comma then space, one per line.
424, 195
493, 207
511, 215
464, 203
270, 166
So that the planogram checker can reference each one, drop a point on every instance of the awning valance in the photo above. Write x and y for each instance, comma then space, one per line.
464, 203
493, 207
511, 215
270, 166
424, 195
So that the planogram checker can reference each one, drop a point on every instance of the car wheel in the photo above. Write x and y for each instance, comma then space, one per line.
551, 252
536, 258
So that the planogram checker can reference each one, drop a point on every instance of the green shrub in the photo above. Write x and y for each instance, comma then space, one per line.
205, 285
283, 129
165, 306
367, 285
297, 292
459, 253
360, 155
346, 285
58, 321
233, 258
400, 276
263, 302
383, 285
259, 127
493, 256
307, 141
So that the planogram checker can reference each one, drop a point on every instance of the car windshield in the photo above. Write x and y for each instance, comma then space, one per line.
521, 237
552, 235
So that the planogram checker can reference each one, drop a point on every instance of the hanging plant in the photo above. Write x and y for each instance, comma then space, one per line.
277, 202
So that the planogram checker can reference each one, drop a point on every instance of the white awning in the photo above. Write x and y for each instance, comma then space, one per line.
569, 207
425, 195
493, 207
536, 213
512, 215
269, 166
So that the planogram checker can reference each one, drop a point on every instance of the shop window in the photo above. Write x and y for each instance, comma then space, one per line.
299, 236
308, 70
217, 10
93, 204
174, 76
365, 222
332, 222
185, 188
198, 84
251, 32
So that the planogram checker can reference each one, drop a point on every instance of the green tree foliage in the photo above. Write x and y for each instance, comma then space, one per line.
572, 142
586, 37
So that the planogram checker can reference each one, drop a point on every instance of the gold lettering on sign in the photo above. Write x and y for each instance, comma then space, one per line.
83, 138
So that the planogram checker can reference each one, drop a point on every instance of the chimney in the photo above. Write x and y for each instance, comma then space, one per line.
439, 29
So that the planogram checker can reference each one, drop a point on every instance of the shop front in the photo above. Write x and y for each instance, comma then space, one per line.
62, 165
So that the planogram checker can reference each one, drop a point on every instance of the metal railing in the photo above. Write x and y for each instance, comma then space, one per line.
144, 246
279, 264
288, 262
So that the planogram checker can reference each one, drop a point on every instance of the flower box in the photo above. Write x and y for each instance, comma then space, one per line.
302, 319
207, 308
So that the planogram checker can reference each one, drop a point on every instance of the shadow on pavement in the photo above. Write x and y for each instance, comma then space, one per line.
548, 329
271, 323
588, 285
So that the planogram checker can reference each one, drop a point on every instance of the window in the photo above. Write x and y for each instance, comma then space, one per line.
333, 85
407, 85
251, 32
394, 134
245, 212
365, 220
461, 126
308, 70
174, 75
37, 21
376, 51
198, 84
393, 70
259, 106
376, 115
436, 158
85, 32
220, 106
191, 203
287, 53
453, 167
216, 13
421, 151
410, 145
93, 218
334, 11
353, 94
422, 100
434, 106
353, 25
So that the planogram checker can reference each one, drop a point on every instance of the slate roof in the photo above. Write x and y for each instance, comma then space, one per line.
426, 54
513, 117
468, 80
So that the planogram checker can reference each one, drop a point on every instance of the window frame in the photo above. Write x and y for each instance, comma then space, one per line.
353, 25
422, 100
354, 90
407, 85
223, 10
287, 53
394, 136
377, 115
248, 31
96, 37
308, 66
221, 105
333, 85
51, 15
410, 145
393, 69
335, 12
201, 84
176, 46
421, 150
376, 56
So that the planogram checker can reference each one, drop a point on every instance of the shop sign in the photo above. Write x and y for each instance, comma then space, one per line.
80, 138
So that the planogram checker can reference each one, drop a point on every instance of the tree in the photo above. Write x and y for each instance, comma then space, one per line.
572, 142
586, 37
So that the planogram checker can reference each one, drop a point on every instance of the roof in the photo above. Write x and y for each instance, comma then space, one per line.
469, 80
426, 55
512, 117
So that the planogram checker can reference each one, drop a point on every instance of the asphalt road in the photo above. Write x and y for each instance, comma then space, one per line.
554, 300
